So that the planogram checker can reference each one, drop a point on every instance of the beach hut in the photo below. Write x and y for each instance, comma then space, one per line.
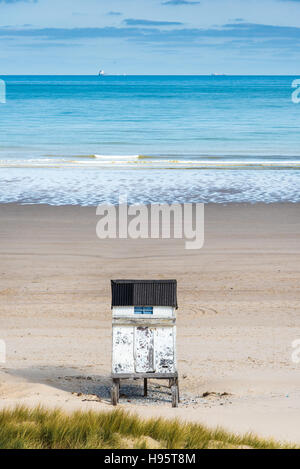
144, 333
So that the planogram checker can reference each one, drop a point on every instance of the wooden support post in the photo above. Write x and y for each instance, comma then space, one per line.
145, 387
175, 392
177, 384
115, 391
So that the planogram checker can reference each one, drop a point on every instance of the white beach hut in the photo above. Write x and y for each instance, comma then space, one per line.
144, 333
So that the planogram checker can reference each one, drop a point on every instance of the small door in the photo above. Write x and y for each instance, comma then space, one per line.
165, 360
122, 356
144, 350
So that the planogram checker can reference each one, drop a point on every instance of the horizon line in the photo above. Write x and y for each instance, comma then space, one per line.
152, 75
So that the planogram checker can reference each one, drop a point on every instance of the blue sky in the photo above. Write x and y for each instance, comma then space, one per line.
150, 36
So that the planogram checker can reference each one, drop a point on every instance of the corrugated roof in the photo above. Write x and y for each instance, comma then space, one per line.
144, 293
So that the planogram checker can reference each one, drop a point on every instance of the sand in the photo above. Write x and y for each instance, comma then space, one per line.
239, 312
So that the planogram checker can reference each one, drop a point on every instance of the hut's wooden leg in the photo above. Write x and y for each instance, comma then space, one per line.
145, 387
177, 382
115, 392
175, 392
119, 387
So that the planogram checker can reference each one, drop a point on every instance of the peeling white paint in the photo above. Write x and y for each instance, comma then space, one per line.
122, 357
141, 348
138, 349
165, 349
144, 350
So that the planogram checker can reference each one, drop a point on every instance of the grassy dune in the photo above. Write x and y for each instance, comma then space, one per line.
47, 429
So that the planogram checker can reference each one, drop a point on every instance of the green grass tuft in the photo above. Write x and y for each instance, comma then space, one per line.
39, 428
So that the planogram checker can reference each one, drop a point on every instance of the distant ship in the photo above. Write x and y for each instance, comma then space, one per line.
101, 73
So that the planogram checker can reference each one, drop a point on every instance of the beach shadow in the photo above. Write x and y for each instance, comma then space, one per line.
92, 387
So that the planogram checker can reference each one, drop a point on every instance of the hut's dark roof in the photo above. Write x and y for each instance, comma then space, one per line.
144, 293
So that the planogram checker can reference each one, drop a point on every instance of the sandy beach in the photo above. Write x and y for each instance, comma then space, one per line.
239, 305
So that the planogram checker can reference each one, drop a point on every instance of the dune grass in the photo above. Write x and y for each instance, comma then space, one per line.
39, 428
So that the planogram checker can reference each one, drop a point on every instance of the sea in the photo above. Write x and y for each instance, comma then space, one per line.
87, 140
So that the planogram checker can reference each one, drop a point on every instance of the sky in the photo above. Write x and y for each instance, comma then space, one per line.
80, 37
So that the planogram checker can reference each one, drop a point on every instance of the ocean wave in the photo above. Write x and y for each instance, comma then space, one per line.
134, 161
117, 157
